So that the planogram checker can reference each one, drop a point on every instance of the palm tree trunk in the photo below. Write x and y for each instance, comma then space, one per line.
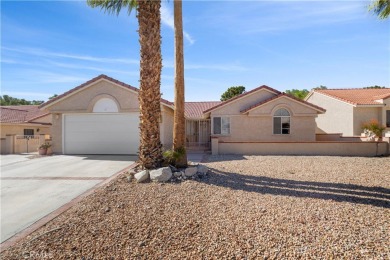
150, 150
179, 119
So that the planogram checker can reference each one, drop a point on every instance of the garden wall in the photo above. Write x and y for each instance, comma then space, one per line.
302, 148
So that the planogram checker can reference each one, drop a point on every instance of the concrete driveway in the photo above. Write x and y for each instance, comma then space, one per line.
32, 188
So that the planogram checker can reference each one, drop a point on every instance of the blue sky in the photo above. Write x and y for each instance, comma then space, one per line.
49, 47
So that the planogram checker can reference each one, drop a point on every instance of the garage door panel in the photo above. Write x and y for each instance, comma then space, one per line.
101, 133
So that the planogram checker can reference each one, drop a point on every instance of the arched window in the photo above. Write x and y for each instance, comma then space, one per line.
105, 105
282, 122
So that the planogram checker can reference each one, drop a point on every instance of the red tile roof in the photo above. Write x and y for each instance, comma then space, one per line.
194, 110
20, 114
102, 76
357, 96
283, 95
243, 95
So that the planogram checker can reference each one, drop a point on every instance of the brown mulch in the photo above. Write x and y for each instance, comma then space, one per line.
248, 207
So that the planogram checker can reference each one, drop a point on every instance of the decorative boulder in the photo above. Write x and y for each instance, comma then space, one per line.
161, 174
190, 171
202, 169
142, 176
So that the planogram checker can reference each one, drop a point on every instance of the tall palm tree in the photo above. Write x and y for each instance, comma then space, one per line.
381, 8
179, 119
149, 22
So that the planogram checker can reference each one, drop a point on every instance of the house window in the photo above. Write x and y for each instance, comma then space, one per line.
28, 131
282, 122
387, 118
221, 125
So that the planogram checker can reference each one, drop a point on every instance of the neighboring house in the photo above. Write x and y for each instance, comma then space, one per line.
348, 109
22, 124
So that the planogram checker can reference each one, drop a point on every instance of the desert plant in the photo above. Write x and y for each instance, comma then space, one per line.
374, 127
44, 146
171, 157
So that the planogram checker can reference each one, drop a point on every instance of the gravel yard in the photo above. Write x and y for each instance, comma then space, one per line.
248, 207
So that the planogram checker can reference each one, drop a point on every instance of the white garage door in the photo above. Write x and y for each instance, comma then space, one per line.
101, 133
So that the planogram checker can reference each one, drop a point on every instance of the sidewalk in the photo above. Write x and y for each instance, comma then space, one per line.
195, 156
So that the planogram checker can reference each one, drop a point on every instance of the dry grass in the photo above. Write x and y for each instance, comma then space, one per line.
249, 207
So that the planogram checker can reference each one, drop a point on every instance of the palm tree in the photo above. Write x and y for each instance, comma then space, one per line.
179, 119
381, 8
149, 22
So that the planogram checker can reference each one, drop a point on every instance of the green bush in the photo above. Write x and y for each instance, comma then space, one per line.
172, 156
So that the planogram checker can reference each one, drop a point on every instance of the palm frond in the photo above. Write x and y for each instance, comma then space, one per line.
381, 8
113, 6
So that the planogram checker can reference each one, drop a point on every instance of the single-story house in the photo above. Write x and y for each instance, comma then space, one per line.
348, 109
101, 116
21, 126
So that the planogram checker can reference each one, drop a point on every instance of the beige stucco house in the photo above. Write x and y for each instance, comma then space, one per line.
348, 109
23, 128
264, 114
101, 116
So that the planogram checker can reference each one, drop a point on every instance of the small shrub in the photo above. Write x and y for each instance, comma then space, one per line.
373, 127
172, 156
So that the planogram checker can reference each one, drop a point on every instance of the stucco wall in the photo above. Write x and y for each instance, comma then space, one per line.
257, 125
309, 148
56, 133
294, 107
166, 127
251, 128
9, 129
3, 149
338, 117
84, 100
365, 114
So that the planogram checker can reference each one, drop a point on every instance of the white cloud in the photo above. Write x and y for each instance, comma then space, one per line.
45, 53
167, 19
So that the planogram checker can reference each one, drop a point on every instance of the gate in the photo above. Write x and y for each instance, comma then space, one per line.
198, 134
26, 143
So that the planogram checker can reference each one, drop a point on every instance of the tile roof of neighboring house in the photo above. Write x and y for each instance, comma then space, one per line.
357, 96
194, 110
20, 114
243, 95
102, 76
283, 95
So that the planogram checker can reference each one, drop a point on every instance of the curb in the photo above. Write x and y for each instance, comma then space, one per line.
49, 217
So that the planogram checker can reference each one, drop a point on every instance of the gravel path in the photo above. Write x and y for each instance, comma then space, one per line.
251, 207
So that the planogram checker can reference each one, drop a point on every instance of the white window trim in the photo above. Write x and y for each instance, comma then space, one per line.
281, 128
221, 134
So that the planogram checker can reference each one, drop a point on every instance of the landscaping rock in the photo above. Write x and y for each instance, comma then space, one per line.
142, 176
202, 169
177, 174
161, 174
190, 171
173, 168
130, 177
